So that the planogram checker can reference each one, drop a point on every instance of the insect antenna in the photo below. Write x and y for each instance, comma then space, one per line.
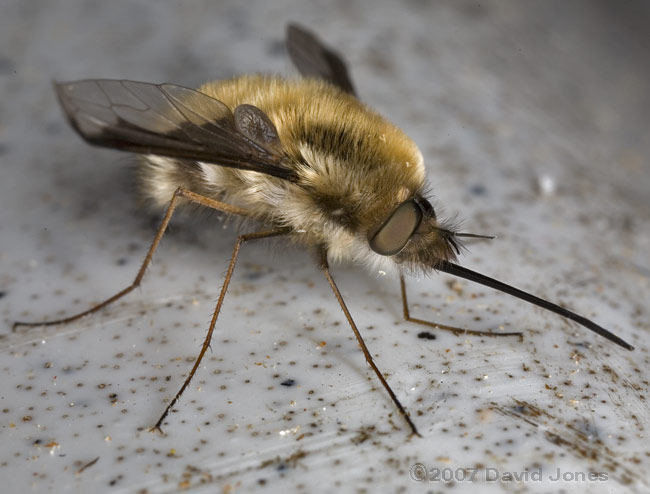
474, 235
458, 246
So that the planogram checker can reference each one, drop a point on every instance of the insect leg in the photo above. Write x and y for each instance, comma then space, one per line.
206, 343
179, 193
456, 331
325, 267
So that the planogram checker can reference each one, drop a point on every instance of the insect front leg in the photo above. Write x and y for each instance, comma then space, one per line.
326, 270
455, 330
178, 194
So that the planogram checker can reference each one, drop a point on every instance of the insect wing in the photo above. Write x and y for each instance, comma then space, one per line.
313, 59
165, 120
254, 124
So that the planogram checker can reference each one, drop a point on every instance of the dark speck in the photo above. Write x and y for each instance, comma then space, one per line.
2, 294
478, 190
288, 382
261, 481
276, 48
425, 335
121, 261
252, 276
7, 66
53, 128
474, 10
281, 467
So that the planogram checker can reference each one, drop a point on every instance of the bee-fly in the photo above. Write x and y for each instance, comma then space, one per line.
306, 158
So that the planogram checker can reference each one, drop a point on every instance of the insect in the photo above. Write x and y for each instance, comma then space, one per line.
305, 157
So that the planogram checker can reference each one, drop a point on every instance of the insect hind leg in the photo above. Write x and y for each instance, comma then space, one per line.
453, 329
180, 193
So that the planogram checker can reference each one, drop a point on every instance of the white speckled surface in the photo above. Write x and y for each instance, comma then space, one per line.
534, 128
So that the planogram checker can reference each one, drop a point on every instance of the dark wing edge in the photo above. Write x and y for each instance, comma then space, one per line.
314, 59
164, 120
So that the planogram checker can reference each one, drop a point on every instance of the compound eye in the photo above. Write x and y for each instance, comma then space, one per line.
392, 236
426, 207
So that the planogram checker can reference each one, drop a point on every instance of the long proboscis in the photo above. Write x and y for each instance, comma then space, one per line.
468, 274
